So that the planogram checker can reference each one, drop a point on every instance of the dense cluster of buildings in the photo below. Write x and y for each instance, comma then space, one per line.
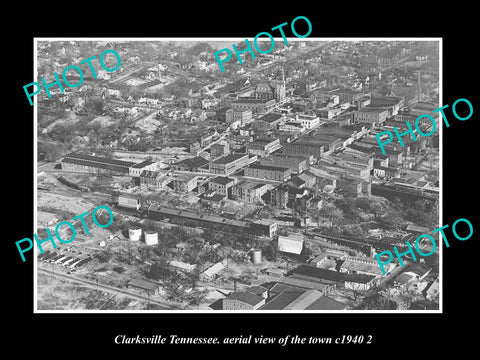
286, 146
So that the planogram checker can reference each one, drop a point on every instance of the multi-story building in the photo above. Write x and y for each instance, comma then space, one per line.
267, 122
221, 185
198, 164
228, 164
154, 179
297, 164
249, 191
354, 186
328, 112
292, 126
184, 183
308, 121
255, 105
375, 117
263, 146
268, 172
137, 169
219, 149
242, 116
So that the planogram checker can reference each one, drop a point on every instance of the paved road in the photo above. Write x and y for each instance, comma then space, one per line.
109, 289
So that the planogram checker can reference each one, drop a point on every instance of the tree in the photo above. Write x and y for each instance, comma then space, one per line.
158, 270
332, 213
270, 253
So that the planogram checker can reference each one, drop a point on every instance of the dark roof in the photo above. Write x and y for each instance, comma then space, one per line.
266, 167
270, 117
143, 284
99, 165
245, 297
329, 275
97, 159
195, 162
251, 101
222, 180
142, 164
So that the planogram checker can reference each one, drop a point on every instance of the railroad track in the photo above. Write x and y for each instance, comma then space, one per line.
110, 289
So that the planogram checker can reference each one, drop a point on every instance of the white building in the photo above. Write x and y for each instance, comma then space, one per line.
308, 121
292, 244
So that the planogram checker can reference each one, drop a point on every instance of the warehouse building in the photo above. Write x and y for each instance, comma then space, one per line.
95, 164
266, 172
149, 287
263, 146
229, 164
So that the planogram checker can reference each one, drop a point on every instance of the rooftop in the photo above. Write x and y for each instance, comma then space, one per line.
326, 303
267, 167
245, 297
143, 284
270, 117
97, 159
222, 180
281, 300
229, 158
195, 162
142, 164
250, 100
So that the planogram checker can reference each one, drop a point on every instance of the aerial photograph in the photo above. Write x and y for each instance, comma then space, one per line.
262, 188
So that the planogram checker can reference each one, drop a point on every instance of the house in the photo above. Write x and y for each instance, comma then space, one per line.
181, 266
210, 273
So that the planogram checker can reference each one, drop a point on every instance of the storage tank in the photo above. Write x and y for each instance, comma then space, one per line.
151, 238
134, 234
257, 256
